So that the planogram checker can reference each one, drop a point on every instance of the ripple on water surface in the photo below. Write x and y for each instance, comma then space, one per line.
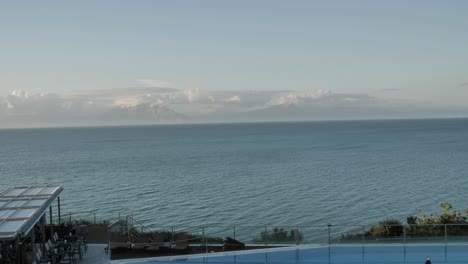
247, 174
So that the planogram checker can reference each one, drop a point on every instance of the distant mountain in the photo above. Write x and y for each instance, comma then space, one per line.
143, 114
139, 106
279, 112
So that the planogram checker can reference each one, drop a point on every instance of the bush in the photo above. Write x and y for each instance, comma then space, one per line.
279, 235
387, 228
102, 223
419, 226
196, 238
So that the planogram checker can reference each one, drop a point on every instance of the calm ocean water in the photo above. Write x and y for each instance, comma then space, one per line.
353, 172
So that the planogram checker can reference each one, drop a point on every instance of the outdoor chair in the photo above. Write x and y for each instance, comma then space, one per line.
40, 258
139, 245
155, 243
181, 242
115, 245
232, 244
152, 246
76, 250
68, 258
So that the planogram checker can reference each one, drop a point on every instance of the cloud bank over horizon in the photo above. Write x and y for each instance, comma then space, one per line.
165, 104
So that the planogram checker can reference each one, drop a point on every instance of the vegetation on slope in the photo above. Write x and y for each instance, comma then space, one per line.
448, 222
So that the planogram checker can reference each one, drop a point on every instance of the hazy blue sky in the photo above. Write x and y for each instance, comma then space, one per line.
407, 51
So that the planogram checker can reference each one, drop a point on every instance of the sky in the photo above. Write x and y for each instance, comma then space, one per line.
108, 62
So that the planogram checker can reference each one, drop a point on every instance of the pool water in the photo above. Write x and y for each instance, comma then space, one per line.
453, 253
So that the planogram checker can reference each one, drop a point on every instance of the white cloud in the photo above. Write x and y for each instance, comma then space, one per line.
290, 99
315, 94
350, 99
9, 106
234, 99
158, 102
296, 98
22, 102
148, 105
192, 94
20, 94
128, 102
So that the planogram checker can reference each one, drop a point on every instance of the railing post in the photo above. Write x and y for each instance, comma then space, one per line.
234, 234
362, 235
51, 223
329, 242
204, 240
69, 217
363, 241
172, 235
203, 235
404, 234
128, 225
404, 242
296, 238
446, 242
445, 226
94, 217
266, 236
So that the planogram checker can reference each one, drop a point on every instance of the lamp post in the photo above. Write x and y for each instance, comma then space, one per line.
329, 242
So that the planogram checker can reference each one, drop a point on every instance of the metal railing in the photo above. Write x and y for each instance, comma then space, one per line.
280, 234
320, 234
94, 217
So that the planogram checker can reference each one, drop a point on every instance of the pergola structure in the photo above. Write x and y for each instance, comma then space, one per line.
22, 208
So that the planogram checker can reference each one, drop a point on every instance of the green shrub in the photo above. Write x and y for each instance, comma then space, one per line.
420, 226
387, 228
279, 235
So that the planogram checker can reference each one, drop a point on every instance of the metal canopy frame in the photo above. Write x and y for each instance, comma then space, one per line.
22, 207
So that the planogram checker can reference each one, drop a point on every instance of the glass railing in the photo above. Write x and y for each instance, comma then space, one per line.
275, 235
91, 217
368, 240
320, 234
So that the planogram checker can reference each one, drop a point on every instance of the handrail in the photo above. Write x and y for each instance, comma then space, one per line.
297, 234
142, 226
93, 215
120, 213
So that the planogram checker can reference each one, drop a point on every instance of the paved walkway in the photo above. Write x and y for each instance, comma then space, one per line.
96, 254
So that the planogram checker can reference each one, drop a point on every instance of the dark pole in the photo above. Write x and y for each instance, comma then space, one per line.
329, 242
51, 224
58, 211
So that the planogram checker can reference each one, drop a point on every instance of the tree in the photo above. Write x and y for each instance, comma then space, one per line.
446, 222
447, 216
387, 227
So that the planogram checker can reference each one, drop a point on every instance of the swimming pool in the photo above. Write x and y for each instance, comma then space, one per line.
395, 254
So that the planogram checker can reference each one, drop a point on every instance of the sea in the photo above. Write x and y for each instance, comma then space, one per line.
251, 174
